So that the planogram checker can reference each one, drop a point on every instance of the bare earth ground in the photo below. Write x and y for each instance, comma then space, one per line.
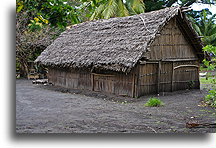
49, 109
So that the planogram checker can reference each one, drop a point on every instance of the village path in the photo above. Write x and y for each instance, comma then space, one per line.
40, 110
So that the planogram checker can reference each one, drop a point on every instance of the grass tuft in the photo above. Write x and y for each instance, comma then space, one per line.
154, 102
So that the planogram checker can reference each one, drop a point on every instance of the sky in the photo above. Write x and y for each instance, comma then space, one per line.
198, 6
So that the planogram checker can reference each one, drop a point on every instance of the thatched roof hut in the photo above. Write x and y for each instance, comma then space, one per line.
119, 44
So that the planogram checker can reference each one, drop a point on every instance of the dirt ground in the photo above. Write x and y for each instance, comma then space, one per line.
50, 109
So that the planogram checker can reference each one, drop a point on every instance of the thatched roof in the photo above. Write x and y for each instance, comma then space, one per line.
113, 44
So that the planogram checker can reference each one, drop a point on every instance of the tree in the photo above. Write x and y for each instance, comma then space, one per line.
152, 5
31, 42
211, 65
37, 25
104, 9
58, 13
204, 24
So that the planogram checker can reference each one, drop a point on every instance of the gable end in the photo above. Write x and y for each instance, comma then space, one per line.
171, 43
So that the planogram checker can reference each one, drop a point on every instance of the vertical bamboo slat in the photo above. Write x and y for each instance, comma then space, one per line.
172, 77
92, 82
158, 77
133, 85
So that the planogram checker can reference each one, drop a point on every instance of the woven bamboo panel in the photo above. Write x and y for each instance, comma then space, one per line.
115, 83
169, 76
70, 79
166, 76
147, 79
186, 75
119, 84
171, 43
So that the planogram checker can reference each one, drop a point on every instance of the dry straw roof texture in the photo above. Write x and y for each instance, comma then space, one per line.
114, 44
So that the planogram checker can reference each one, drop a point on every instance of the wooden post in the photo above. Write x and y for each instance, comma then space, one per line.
172, 77
159, 71
133, 86
92, 81
136, 81
198, 71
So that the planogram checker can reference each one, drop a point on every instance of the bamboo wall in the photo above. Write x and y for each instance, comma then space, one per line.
178, 75
171, 44
168, 76
186, 75
115, 83
119, 84
166, 72
70, 79
172, 65
147, 81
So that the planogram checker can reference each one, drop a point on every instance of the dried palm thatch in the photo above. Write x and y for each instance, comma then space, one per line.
112, 44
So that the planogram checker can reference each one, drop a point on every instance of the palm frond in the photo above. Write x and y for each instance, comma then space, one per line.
118, 8
135, 6
98, 12
138, 6
197, 28
110, 9
122, 10
212, 39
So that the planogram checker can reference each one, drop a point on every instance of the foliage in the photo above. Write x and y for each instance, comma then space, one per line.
31, 40
154, 102
58, 13
211, 98
204, 24
211, 50
104, 9
152, 5
30, 46
191, 84
211, 65
206, 81
37, 23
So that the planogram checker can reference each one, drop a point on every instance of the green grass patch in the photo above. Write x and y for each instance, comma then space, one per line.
203, 68
204, 81
154, 102
210, 99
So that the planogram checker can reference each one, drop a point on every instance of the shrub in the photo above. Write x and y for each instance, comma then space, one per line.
211, 65
211, 98
154, 102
